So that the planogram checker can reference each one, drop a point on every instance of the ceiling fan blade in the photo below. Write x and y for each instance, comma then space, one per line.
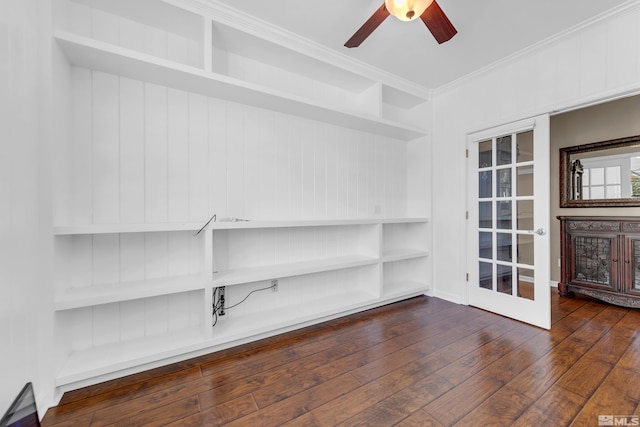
438, 23
368, 27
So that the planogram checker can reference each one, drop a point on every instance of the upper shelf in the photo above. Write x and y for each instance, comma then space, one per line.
89, 53
62, 230
226, 225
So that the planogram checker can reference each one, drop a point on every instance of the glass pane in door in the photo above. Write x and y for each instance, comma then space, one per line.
525, 284
524, 149
485, 154
503, 156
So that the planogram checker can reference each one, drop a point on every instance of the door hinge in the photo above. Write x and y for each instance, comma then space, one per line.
467, 153
467, 215
467, 277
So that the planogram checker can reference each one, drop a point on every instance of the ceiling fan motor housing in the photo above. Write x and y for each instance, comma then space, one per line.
407, 10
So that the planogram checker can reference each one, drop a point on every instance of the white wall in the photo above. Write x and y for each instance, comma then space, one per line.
25, 242
595, 62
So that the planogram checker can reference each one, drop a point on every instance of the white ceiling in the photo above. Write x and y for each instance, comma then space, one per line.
488, 30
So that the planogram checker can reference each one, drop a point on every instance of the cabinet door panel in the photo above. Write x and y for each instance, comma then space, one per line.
632, 265
595, 261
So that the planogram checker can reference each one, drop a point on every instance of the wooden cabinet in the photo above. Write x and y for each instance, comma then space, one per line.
601, 258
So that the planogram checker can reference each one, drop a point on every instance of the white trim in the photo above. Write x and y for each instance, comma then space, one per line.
625, 7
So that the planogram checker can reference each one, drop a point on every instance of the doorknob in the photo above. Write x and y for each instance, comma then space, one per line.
539, 231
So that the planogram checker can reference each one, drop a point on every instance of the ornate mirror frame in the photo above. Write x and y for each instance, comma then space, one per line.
567, 181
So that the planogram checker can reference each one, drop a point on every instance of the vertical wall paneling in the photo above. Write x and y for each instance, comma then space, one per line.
106, 324
82, 146
156, 199
251, 156
179, 312
132, 319
156, 255
352, 173
282, 200
178, 262
331, 143
198, 158
81, 328
268, 166
362, 173
132, 151
319, 140
218, 202
178, 156
156, 312
295, 142
106, 260
342, 174
132, 257
81, 263
235, 160
106, 148
307, 143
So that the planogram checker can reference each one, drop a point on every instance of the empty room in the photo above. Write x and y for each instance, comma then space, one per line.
242, 212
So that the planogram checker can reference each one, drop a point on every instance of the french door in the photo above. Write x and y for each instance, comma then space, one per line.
508, 241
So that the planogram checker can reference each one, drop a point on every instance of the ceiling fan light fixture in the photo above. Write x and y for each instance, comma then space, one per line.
407, 10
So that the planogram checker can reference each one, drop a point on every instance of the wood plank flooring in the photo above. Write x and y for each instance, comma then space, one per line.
420, 362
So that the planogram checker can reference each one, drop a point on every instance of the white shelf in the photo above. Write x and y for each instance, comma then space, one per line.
62, 230
126, 291
97, 55
230, 225
106, 359
254, 274
232, 328
404, 288
402, 254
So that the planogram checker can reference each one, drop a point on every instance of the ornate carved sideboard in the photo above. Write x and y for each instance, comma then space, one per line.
601, 258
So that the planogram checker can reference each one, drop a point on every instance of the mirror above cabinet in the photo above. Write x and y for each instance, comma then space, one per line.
601, 174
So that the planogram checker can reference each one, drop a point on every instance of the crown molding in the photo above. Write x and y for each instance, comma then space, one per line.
625, 7
257, 27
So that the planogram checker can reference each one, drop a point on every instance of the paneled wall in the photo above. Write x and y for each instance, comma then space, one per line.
147, 153
593, 63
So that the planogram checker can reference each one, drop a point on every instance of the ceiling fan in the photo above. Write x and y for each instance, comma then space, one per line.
408, 10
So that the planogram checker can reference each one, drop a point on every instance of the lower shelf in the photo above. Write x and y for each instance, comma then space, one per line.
403, 288
231, 328
106, 359
99, 363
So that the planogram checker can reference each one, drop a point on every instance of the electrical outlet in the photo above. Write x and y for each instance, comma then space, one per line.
222, 290
274, 286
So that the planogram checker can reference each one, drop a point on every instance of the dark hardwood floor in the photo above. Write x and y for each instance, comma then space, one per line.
420, 362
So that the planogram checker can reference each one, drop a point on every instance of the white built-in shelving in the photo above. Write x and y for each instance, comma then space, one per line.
355, 246
134, 279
